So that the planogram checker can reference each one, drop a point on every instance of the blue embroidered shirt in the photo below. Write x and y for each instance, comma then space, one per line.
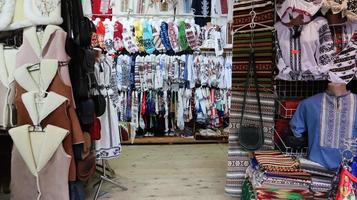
328, 120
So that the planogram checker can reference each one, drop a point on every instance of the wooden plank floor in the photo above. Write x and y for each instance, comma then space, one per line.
170, 172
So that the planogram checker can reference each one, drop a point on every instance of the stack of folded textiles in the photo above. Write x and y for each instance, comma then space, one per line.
321, 180
274, 175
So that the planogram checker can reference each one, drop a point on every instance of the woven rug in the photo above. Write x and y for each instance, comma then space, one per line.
264, 12
238, 158
263, 44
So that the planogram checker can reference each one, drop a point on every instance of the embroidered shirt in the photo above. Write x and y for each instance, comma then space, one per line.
202, 7
344, 65
306, 52
328, 120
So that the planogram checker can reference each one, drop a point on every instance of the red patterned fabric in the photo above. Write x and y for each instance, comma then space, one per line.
101, 7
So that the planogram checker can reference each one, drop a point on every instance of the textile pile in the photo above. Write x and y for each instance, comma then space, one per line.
274, 175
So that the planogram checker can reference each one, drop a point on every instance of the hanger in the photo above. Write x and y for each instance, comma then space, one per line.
253, 25
36, 128
33, 67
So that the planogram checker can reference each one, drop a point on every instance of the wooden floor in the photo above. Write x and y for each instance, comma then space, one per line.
170, 172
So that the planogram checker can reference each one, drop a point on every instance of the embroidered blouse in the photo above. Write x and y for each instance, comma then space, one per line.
344, 65
304, 53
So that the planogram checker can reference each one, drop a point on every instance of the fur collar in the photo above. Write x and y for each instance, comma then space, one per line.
37, 156
48, 105
36, 43
43, 12
47, 72
16, 14
6, 13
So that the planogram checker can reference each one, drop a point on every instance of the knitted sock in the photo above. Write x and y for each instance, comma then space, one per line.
100, 34
191, 37
180, 110
156, 37
139, 35
118, 36
137, 73
135, 110
148, 38
128, 40
182, 35
164, 35
173, 37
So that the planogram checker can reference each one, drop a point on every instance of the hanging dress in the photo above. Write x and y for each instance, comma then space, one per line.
109, 144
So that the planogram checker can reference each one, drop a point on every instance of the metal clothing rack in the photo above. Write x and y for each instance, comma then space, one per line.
104, 177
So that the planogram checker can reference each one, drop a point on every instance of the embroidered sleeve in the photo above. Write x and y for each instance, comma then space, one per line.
284, 70
298, 122
325, 48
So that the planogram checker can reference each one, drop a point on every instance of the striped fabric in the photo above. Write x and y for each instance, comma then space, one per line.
264, 12
277, 162
238, 159
157, 40
191, 37
263, 43
173, 36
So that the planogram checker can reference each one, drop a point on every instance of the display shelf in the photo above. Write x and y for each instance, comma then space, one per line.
280, 144
284, 111
299, 89
173, 140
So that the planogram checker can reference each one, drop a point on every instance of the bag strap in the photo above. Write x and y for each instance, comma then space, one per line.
252, 74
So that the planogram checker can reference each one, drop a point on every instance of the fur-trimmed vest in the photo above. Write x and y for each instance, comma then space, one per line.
15, 14
39, 165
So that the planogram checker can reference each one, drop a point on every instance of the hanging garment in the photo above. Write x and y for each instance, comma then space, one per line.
156, 36
344, 66
109, 144
202, 7
49, 45
139, 30
128, 39
182, 36
118, 36
329, 120
122, 6
109, 36
7, 84
102, 9
306, 52
24, 13
305, 7
172, 32
191, 36
148, 38
348, 8
37, 160
58, 111
164, 35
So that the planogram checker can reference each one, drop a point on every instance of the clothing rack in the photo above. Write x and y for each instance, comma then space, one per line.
139, 15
